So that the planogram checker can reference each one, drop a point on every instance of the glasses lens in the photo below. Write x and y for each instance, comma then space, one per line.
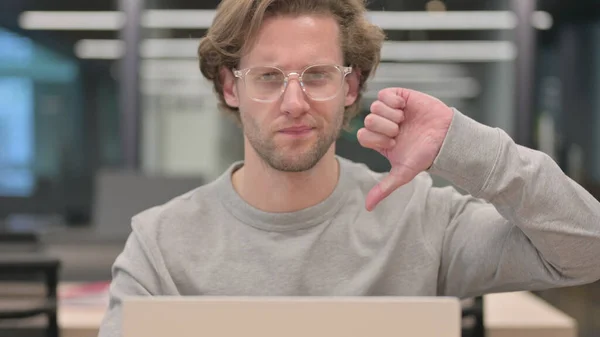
322, 82
264, 83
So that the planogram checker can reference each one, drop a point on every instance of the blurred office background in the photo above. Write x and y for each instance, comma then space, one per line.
103, 111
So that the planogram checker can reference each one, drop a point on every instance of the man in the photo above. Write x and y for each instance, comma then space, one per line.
294, 219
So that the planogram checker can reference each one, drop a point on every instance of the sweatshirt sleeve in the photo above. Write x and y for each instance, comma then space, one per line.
523, 224
137, 271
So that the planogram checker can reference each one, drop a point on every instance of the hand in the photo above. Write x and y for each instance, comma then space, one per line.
408, 128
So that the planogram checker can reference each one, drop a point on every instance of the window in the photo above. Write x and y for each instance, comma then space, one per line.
16, 137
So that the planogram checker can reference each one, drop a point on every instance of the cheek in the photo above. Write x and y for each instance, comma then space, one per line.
330, 111
257, 116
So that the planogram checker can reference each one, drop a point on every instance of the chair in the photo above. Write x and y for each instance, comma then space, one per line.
22, 262
472, 316
121, 194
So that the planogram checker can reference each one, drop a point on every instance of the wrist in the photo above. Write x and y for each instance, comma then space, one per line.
468, 154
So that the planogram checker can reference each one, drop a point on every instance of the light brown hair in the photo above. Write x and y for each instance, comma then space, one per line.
237, 22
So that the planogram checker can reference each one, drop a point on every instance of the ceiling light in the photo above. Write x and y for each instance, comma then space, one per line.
202, 19
72, 20
169, 48
99, 49
542, 20
456, 51
454, 20
179, 18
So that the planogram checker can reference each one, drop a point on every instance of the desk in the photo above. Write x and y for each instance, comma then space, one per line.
523, 314
519, 314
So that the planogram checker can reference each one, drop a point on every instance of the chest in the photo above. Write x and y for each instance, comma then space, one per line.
327, 260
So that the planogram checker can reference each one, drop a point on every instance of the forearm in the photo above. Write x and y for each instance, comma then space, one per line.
559, 218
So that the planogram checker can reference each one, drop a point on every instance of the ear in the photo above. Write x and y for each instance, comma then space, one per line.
230, 91
351, 87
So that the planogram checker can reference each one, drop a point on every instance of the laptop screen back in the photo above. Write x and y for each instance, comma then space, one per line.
292, 317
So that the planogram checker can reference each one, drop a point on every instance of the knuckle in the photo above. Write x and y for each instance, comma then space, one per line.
376, 106
369, 120
382, 94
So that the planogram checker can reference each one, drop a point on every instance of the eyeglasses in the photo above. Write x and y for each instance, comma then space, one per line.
320, 82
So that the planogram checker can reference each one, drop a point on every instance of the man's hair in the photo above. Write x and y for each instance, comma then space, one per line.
237, 22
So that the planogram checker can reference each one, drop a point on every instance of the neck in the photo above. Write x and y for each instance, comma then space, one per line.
274, 191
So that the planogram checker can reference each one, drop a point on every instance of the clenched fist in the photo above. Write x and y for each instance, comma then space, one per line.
408, 128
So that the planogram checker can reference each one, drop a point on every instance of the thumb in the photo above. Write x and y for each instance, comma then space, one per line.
396, 178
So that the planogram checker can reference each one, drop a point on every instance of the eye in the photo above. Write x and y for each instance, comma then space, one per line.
269, 76
316, 75
321, 74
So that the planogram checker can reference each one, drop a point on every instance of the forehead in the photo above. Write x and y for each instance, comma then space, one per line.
292, 42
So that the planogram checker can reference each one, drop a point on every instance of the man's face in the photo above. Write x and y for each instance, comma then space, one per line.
293, 132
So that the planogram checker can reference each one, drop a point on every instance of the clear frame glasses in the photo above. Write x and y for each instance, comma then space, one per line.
320, 82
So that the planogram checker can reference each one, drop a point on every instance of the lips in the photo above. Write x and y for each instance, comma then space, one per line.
297, 129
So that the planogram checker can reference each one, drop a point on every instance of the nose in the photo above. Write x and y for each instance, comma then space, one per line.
294, 102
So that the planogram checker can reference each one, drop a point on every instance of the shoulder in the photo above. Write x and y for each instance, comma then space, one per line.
186, 212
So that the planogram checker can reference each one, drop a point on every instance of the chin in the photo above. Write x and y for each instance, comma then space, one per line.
294, 162
296, 156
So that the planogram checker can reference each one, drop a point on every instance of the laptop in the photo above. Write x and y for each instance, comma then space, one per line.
291, 317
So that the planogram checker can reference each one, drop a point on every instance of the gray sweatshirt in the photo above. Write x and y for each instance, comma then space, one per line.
521, 225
